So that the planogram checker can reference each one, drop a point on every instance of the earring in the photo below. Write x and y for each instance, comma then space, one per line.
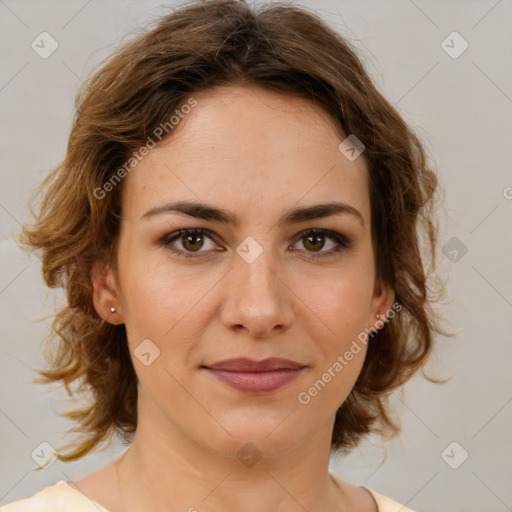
381, 316
112, 309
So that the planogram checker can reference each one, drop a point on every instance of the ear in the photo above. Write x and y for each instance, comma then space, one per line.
105, 295
382, 302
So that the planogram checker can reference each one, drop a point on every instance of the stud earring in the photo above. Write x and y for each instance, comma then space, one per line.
112, 309
381, 316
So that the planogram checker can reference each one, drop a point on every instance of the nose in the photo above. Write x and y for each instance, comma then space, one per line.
257, 297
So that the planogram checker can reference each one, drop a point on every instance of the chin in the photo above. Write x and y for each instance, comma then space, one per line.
263, 435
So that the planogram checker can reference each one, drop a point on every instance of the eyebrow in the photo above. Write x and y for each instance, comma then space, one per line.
296, 215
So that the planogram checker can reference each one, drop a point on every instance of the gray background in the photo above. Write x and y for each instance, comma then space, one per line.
461, 109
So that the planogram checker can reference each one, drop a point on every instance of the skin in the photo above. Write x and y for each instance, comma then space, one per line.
257, 154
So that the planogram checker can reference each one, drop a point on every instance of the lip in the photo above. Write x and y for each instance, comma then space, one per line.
253, 376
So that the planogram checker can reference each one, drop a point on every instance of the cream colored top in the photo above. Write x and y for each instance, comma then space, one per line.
61, 497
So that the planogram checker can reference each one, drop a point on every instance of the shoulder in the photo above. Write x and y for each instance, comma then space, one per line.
366, 498
59, 497
386, 504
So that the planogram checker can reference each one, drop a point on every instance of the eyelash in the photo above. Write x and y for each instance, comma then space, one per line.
343, 242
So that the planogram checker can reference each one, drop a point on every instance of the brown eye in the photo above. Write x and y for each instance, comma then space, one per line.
314, 240
191, 242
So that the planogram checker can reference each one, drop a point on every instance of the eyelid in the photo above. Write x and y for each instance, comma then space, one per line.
328, 233
169, 238
342, 241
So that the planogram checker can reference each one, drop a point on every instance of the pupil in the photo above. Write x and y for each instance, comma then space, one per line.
193, 240
310, 239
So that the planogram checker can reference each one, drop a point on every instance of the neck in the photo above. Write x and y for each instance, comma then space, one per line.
162, 470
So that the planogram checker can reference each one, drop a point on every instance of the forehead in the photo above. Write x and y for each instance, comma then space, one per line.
248, 146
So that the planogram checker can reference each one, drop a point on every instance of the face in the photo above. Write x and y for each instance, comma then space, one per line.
253, 271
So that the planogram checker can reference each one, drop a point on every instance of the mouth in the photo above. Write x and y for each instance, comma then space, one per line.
252, 376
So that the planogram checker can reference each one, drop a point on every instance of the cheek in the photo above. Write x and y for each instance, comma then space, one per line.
341, 352
165, 303
151, 289
343, 304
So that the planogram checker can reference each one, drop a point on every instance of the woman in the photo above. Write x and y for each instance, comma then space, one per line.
237, 226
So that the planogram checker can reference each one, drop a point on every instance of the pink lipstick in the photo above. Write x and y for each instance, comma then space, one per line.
256, 376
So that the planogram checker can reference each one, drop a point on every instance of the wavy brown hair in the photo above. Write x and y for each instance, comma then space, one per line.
197, 47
